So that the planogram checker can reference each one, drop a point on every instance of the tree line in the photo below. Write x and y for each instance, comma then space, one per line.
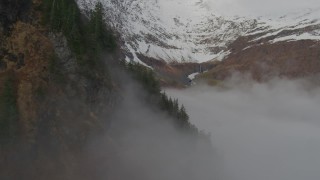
151, 84
86, 39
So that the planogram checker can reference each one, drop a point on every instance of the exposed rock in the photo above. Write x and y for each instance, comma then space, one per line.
67, 60
55, 118
175, 74
294, 59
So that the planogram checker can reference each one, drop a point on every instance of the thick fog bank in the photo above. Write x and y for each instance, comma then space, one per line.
144, 144
262, 131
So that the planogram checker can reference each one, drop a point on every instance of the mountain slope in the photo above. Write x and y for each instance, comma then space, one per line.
172, 31
189, 31
69, 110
287, 47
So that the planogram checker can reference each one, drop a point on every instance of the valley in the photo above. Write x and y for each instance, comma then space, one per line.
199, 32
159, 89
260, 130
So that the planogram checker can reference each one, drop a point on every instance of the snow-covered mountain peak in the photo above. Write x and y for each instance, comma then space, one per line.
196, 30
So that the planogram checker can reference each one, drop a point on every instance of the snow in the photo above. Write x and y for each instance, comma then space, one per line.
193, 76
193, 30
173, 31
135, 58
295, 37
291, 21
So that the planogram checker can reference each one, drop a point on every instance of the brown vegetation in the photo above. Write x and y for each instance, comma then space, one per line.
292, 59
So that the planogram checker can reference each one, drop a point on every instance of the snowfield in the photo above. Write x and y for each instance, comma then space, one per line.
197, 30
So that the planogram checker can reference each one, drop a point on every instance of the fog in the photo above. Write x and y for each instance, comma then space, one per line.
265, 131
142, 142
137, 141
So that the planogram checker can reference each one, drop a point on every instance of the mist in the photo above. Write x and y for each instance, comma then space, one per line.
142, 142
261, 131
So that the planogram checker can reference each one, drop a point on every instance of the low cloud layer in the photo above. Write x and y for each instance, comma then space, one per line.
143, 143
261, 131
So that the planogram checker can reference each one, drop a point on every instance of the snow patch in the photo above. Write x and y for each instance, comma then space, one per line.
193, 75
295, 37
193, 31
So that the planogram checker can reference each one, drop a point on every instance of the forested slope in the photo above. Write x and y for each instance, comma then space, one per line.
68, 103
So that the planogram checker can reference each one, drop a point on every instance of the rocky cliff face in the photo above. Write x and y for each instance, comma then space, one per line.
290, 50
63, 115
286, 59
189, 31
48, 106
171, 31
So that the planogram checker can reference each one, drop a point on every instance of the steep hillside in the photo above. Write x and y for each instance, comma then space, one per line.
285, 47
70, 108
49, 103
293, 59
172, 31
193, 32
189, 31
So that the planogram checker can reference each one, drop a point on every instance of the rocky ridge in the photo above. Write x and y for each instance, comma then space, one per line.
188, 31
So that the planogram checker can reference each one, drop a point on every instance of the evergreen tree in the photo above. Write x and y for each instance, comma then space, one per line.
86, 41
167, 104
175, 107
100, 37
8, 112
183, 114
